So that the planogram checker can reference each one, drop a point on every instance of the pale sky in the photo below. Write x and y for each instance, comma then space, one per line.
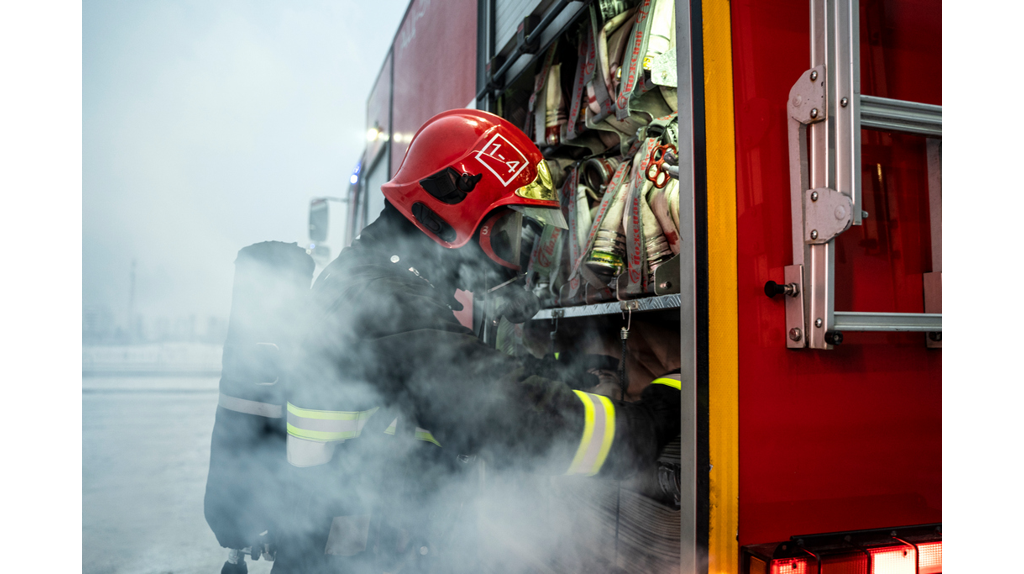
207, 126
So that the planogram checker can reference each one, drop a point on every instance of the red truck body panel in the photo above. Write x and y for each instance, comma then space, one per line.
849, 438
378, 112
435, 66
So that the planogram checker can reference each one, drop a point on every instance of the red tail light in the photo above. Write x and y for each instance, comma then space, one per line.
845, 564
790, 566
930, 558
894, 560
911, 557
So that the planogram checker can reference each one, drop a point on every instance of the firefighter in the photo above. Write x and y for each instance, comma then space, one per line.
389, 390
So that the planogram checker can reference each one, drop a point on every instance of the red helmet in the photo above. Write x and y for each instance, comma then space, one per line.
461, 166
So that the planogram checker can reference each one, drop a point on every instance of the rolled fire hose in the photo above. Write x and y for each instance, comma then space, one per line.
583, 217
554, 108
536, 107
659, 201
655, 243
672, 192
662, 34
662, 38
606, 258
617, 41
603, 67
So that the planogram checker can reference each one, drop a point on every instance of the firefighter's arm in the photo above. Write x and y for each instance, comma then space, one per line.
474, 398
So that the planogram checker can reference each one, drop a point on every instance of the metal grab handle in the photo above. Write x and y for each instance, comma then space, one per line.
771, 289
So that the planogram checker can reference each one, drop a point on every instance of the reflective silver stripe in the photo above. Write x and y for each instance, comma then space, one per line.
304, 453
326, 426
249, 407
598, 433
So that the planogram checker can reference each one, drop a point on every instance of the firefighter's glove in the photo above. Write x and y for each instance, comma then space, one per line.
571, 373
643, 429
515, 304
663, 407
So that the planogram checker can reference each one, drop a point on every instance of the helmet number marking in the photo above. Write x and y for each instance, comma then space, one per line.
493, 157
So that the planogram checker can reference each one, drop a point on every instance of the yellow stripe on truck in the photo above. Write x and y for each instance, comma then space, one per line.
723, 345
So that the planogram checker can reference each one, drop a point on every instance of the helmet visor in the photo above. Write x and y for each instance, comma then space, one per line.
501, 237
542, 187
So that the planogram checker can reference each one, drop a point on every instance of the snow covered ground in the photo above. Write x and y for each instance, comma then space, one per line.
151, 359
145, 454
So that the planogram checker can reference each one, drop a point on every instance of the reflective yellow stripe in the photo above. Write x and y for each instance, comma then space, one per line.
674, 383
421, 434
330, 415
321, 435
326, 425
598, 434
588, 432
609, 432
424, 435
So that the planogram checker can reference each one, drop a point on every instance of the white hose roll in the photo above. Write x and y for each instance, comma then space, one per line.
672, 193
660, 206
613, 218
583, 217
649, 221
554, 106
595, 107
663, 29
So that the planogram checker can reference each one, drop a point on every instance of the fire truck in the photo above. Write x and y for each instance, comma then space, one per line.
795, 276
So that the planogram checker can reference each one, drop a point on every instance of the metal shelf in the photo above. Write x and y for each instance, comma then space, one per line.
612, 307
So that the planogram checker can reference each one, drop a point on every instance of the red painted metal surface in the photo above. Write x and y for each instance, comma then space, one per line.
435, 66
850, 438
378, 113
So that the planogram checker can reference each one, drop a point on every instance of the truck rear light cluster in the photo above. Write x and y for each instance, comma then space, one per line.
910, 550
929, 559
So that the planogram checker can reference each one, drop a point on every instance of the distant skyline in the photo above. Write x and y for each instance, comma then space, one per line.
207, 126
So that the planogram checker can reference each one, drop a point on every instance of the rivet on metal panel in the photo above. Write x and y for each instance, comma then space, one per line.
795, 334
807, 96
828, 215
863, 215
818, 322
814, 196
844, 102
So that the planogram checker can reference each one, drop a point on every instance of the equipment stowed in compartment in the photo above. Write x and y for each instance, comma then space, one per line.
601, 105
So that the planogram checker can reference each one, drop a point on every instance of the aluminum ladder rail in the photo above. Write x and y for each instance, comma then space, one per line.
826, 113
